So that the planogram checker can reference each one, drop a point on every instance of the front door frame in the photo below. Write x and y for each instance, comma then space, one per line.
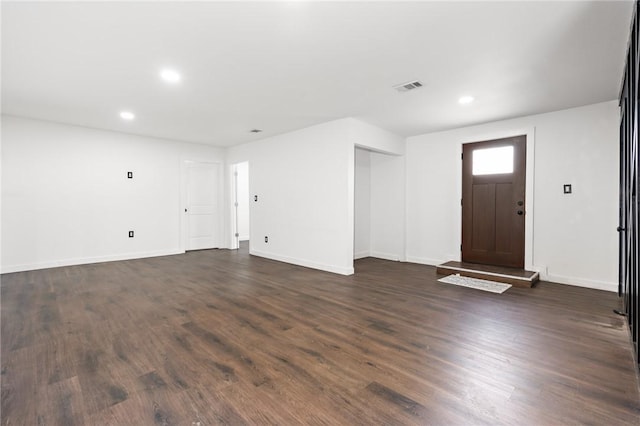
529, 132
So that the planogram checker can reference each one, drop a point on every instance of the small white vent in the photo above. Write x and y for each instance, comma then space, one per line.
405, 87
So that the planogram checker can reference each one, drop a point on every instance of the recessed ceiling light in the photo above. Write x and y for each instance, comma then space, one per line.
127, 115
465, 100
170, 76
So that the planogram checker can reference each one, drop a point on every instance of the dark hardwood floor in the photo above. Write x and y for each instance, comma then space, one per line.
220, 337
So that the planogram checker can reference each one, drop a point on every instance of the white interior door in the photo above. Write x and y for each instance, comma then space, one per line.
203, 209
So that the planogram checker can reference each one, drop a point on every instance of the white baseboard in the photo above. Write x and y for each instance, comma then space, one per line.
425, 261
7, 269
361, 255
385, 256
580, 282
560, 279
304, 262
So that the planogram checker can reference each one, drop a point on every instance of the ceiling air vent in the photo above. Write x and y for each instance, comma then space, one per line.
405, 87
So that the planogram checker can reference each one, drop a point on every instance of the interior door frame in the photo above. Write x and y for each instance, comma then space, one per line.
234, 242
529, 132
184, 234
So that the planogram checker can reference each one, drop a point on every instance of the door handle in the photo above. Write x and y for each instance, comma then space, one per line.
519, 212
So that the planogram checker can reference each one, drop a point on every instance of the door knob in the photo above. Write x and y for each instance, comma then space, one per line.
520, 212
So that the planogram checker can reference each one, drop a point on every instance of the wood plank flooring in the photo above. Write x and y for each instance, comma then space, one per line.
221, 337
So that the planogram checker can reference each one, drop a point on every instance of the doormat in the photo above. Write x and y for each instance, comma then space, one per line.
485, 285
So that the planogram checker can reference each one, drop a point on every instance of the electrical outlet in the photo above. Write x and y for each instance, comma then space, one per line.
130, 234
266, 239
129, 175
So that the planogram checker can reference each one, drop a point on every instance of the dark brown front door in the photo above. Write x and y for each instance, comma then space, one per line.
493, 190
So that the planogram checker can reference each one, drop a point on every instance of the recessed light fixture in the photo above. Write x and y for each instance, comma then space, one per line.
465, 100
170, 76
255, 130
127, 115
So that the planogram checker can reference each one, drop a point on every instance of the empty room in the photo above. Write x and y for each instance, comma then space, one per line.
339, 213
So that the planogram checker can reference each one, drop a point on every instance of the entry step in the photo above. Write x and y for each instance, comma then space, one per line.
513, 276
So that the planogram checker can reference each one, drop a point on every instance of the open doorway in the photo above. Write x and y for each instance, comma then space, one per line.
362, 204
379, 212
241, 217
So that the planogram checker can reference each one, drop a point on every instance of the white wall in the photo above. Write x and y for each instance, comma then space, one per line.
574, 236
373, 138
388, 206
242, 180
362, 203
66, 198
304, 183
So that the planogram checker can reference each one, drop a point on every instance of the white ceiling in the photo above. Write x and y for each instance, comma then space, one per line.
281, 66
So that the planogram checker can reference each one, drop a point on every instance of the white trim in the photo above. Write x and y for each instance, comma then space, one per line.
529, 132
581, 282
87, 260
425, 261
361, 255
351, 208
378, 150
303, 262
234, 242
385, 256
403, 254
529, 198
230, 233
